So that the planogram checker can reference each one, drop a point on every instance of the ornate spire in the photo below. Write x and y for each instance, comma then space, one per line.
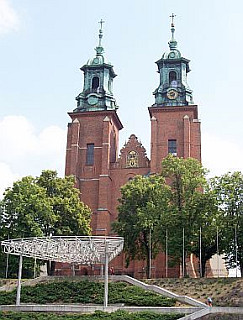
100, 50
97, 94
173, 89
172, 42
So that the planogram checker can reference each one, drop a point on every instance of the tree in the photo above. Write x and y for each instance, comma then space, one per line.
138, 218
204, 242
228, 189
70, 215
187, 180
43, 206
170, 209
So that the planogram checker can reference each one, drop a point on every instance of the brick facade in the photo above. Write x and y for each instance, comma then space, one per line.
100, 183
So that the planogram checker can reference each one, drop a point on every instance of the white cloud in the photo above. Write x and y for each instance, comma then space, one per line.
26, 152
7, 177
221, 156
9, 20
16, 137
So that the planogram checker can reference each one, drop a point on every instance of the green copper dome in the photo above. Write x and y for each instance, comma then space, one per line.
99, 58
97, 61
172, 54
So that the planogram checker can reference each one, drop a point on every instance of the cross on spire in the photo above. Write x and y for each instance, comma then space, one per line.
172, 19
172, 42
101, 23
101, 31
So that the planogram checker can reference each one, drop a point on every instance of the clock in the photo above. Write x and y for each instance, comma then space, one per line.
172, 94
172, 55
92, 100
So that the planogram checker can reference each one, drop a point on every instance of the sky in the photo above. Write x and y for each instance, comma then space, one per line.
45, 42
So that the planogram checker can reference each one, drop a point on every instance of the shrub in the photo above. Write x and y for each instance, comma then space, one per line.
118, 315
86, 292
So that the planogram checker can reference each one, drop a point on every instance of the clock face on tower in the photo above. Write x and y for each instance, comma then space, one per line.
92, 100
172, 94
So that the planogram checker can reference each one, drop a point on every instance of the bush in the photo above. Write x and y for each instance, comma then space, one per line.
86, 292
118, 315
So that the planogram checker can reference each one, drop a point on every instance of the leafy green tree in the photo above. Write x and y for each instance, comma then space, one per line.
43, 206
167, 208
138, 219
206, 230
229, 191
70, 216
187, 180
23, 210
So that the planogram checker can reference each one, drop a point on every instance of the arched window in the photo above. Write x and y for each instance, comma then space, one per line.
172, 78
95, 83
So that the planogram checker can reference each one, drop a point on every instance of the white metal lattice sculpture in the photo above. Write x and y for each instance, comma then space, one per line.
70, 249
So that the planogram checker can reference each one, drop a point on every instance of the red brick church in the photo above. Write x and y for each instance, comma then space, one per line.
93, 156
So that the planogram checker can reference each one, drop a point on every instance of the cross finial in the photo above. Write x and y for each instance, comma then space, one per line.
101, 23
172, 19
101, 31
172, 42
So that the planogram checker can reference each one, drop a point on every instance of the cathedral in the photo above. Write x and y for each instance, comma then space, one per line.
92, 153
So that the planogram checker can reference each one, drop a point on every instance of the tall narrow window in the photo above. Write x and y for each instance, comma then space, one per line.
113, 147
95, 83
173, 79
172, 148
90, 154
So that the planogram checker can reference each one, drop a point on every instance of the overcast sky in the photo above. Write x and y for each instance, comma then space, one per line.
45, 42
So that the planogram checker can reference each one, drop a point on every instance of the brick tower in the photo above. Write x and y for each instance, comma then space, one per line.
93, 136
92, 139
175, 127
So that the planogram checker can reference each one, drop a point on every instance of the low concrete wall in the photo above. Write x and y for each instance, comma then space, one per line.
235, 310
191, 313
56, 308
162, 309
218, 310
196, 315
75, 308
